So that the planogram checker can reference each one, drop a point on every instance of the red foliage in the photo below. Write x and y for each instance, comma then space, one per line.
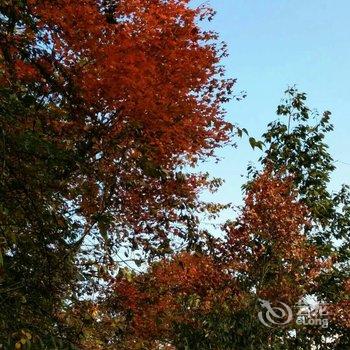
176, 291
145, 63
268, 244
340, 312
264, 255
134, 89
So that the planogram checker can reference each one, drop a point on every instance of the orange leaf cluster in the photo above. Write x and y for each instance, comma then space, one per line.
133, 91
144, 64
264, 255
173, 292
268, 244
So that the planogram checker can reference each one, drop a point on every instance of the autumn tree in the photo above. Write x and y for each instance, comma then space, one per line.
103, 105
297, 143
288, 243
204, 301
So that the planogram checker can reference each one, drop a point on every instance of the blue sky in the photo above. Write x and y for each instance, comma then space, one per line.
273, 44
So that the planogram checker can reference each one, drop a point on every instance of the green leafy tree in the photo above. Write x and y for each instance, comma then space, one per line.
296, 143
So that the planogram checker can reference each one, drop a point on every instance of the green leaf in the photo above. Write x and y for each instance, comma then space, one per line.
252, 142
